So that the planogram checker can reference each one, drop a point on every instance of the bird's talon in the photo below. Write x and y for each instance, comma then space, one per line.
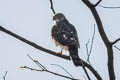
70, 57
59, 53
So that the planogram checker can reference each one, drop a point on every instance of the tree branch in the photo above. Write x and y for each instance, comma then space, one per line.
81, 62
50, 52
109, 7
117, 48
88, 54
43, 69
104, 38
4, 77
33, 44
97, 3
87, 51
52, 8
115, 41
86, 73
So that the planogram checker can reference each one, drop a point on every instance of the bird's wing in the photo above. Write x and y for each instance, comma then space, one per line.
65, 34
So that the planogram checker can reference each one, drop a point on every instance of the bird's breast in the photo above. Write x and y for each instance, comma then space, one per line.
58, 44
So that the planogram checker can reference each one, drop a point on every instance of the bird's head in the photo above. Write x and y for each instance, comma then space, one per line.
58, 17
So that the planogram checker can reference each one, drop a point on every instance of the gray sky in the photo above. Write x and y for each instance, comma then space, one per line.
32, 19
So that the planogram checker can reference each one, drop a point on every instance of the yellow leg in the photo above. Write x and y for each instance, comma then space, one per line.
70, 57
59, 53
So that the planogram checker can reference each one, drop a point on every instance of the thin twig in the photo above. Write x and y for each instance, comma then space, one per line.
42, 68
4, 77
97, 3
52, 8
83, 66
91, 45
109, 7
88, 51
117, 48
87, 46
63, 69
36, 62
115, 41
104, 38
86, 73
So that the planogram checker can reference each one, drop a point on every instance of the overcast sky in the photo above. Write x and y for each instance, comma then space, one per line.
32, 19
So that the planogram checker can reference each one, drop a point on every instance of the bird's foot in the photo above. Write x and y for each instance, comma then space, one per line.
70, 57
60, 53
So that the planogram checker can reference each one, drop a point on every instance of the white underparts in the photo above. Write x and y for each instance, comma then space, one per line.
62, 46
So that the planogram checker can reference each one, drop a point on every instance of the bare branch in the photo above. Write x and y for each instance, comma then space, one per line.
87, 46
50, 52
33, 44
71, 75
109, 7
115, 41
104, 38
4, 77
52, 8
31, 68
36, 62
88, 54
63, 69
92, 41
117, 48
86, 73
97, 3
43, 69
82, 63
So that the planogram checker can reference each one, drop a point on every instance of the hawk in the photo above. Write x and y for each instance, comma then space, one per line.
65, 35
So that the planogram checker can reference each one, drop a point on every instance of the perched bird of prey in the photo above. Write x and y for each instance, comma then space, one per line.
65, 35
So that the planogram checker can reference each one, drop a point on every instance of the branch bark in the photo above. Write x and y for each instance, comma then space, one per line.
52, 8
115, 41
51, 52
104, 38
97, 3
33, 44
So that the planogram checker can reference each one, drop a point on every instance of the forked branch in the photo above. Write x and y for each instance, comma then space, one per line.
104, 38
51, 52
44, 69
33, 44
52, 8
89, 53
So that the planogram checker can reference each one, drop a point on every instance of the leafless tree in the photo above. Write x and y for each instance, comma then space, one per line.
84, 64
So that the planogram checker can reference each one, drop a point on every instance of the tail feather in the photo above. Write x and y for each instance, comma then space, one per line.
73, 50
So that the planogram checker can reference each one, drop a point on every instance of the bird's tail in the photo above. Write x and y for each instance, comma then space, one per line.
73, 50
